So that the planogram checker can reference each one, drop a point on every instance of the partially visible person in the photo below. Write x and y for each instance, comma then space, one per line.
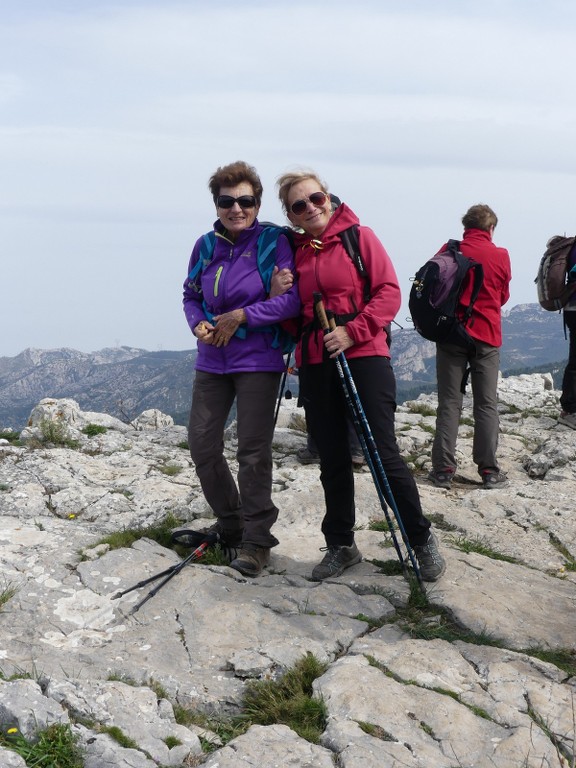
453, 360
568, 396
235, 322
323, 265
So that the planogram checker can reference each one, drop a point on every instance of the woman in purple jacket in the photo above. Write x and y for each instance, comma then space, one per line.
228, 309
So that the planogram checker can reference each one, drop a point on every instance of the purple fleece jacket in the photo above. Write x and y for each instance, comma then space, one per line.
231, 281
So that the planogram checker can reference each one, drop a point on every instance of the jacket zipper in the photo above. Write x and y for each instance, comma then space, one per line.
217, 280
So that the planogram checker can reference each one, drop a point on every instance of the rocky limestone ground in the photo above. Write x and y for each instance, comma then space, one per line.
491, 698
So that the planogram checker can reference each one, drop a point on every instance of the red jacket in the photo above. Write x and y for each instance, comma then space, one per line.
330, 271
486, 324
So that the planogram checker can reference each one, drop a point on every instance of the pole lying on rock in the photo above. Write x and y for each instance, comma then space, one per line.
168, 573
368, 444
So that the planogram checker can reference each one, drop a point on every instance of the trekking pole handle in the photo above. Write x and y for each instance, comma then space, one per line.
325, 323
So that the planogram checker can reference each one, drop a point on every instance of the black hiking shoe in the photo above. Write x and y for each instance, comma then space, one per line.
494, 479
251, 559
442, 478
335, 561
430, 561
228, 539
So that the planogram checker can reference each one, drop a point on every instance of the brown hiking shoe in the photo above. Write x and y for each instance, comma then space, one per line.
251, 559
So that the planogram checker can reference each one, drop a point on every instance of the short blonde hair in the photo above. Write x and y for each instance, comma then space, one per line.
288, 180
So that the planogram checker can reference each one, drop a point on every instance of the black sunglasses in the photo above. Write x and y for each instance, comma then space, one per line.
316, 198
244, 201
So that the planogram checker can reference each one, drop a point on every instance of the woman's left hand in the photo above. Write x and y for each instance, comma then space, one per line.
337, 341
226, 326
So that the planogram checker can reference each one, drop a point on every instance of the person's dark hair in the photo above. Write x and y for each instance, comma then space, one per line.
232, 174
479, 217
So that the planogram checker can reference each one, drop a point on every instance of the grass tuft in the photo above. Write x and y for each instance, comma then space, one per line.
569, 560
7, 592
54, 747
160, 532
479, 546
289, 700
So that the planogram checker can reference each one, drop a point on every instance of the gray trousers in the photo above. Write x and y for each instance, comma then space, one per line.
248, 504
451, 361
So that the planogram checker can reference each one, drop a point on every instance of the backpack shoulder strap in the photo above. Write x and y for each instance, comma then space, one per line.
351, 243
266, 256
478, 270
206, 252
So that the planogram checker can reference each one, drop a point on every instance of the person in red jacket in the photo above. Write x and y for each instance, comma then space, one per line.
452, 361
323, 266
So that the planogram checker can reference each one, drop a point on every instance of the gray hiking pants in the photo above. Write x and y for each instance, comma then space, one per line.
250, 503
451, 361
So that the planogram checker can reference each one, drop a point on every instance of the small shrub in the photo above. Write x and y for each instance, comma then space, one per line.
10, 435
94, 429
169, 469
55, 433
422, 408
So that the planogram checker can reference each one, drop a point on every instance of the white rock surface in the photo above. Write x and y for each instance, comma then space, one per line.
393, 698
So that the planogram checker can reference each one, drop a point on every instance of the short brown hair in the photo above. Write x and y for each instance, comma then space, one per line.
232, 174
287, 181
479, 217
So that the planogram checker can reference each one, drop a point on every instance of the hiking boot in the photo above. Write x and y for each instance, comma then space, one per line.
251, 559
430, 561
215, 534
568, 419
358, 460
442, 478
494, 479
306, 456
335, 561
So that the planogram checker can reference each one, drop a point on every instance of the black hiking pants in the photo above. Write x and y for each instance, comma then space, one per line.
323, 398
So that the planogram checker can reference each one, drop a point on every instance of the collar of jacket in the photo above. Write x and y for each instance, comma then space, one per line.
243, 237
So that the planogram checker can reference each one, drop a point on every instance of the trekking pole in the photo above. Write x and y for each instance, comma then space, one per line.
368, 445
282, 387
168, 574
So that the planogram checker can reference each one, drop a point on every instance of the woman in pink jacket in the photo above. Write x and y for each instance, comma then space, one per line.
322, 265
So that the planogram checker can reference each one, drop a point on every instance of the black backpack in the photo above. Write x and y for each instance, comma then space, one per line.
435, 297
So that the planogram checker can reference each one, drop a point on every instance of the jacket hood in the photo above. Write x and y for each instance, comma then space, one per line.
342, 218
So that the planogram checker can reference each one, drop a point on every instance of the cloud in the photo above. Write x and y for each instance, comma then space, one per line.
115, 114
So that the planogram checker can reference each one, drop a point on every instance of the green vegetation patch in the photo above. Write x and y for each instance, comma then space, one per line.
54, 747
7, 592
479, 546
94, 429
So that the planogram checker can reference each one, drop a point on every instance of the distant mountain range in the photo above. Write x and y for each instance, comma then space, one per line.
125, 381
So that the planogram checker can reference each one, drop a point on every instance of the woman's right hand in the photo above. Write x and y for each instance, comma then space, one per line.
204, 332
282, 280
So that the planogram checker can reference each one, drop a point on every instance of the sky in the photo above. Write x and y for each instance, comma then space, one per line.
113, 116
